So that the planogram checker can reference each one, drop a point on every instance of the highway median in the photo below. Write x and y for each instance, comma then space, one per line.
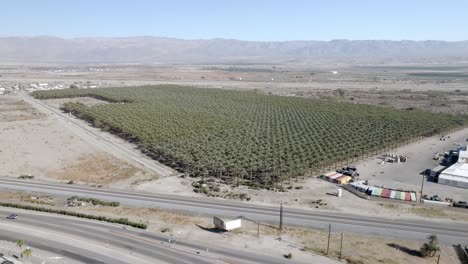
123, 221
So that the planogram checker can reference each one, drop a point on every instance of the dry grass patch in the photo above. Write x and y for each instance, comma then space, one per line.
147, 215
429, 212
356, 248
97, 169
14, 110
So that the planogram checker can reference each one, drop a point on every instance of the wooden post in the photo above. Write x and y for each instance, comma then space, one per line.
341, 245
422, 188
329, 234
258, 228
281, 217
438, 259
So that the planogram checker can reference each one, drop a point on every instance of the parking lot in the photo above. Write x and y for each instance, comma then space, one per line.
408, 175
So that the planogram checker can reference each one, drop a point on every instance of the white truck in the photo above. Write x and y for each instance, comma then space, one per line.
436, 171
227, 224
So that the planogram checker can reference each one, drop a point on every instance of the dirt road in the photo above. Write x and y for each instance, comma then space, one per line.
103, 141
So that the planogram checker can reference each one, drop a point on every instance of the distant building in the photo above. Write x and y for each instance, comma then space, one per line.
457, 174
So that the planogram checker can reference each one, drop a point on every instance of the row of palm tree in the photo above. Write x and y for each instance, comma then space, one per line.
245, 136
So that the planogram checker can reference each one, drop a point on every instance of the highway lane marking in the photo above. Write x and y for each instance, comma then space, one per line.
163, 244
112, 230
89, 233
71, 241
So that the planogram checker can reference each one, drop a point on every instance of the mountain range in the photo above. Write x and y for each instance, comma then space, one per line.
158, 50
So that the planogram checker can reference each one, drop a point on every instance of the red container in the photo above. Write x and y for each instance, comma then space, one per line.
407, 196
386, 193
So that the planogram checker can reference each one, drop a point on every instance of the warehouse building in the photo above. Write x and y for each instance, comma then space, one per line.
457, 174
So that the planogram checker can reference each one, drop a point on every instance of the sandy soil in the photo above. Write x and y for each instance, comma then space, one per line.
33, 143
14, 110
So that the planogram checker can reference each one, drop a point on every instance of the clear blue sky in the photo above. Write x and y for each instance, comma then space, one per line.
239, 19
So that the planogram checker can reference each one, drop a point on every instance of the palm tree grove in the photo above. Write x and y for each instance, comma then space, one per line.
248, 137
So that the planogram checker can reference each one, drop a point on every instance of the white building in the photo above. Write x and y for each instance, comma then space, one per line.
457, 174
2, 90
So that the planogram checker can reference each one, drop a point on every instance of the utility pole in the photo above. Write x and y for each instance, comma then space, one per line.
281, 217
329, 234
422, 187
341, 245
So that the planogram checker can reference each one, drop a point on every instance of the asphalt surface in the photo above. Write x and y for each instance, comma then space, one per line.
413, 229
95, 242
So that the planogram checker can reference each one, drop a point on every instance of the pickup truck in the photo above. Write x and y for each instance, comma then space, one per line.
461, 204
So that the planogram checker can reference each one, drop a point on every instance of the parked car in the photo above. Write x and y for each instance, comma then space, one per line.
461, 204
12, 216
350, 173
436, 198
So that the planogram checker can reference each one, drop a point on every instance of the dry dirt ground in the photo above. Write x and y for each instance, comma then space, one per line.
32, 143
301, 243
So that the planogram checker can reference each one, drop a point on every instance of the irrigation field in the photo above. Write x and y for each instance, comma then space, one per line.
260, 139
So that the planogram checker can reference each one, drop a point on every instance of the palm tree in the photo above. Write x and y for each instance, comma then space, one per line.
20, 243
430, 248
27, 253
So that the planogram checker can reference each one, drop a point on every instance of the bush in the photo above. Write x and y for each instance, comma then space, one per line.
165, 229
95, 201
25, 177
288, 256
430, 248
123, 221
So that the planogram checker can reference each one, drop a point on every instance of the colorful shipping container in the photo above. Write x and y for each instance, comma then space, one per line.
384, 192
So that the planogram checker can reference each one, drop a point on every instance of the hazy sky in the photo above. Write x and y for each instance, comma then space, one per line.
239, 19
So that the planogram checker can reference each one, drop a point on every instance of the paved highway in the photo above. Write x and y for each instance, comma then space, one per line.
93, 242
414, 229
